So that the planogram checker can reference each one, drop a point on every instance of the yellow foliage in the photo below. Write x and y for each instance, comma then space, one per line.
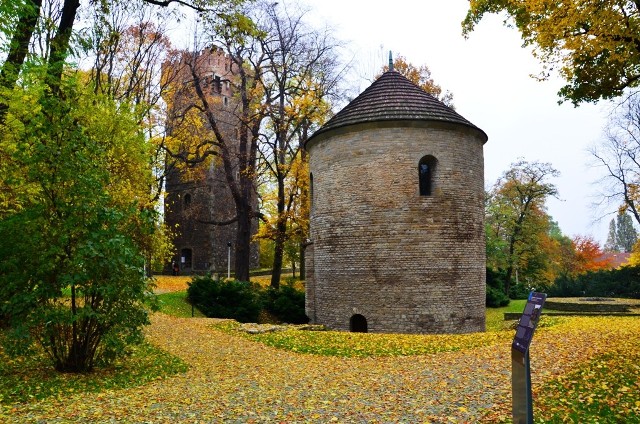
593, 44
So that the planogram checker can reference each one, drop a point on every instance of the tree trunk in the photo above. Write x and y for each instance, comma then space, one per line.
243, 245
507, 280
303, 268
281, 225
509, 276
281, 230
60, 44
18, 49
278, 255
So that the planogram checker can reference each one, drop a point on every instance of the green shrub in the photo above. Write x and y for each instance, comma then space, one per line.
496, 298
495, 289
237, 300
519, 291
247, 302
286, 304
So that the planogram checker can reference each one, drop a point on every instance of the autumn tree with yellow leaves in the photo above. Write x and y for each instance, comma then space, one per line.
516, 220
300, 76
76, 194
593, 44
282, 73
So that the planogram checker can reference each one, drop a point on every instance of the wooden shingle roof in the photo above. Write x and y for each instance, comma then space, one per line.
392, 97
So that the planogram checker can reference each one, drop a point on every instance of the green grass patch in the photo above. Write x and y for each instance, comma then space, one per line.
176, 304
344, 344
495, 316
32, 378
605, 389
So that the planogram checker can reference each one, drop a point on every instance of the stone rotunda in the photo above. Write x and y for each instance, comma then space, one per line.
397, 207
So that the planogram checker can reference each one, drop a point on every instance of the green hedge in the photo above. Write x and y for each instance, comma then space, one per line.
244, 301
622, 282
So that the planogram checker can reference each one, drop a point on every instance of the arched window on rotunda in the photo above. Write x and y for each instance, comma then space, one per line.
426, 173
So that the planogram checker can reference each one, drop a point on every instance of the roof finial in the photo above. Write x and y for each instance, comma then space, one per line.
390, 61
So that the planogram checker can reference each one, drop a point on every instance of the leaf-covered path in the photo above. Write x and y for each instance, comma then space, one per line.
232, 379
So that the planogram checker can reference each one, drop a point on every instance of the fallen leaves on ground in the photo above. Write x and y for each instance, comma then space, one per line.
32, 378
341, 343
236, 380
607, 387
171, 283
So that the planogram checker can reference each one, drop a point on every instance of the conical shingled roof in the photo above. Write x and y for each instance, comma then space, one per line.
392, 97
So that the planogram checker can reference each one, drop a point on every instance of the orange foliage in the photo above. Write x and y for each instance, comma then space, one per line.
589, 256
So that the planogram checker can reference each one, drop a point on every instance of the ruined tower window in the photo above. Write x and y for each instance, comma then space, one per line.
187, 200
186, 256
225, 101
426, 172
358, 324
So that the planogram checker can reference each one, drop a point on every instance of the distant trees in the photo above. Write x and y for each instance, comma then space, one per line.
622, 235
593, 43
516, 219
524, 244
588, 256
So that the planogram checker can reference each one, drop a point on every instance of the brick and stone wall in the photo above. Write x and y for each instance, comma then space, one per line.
210, 199
407, 263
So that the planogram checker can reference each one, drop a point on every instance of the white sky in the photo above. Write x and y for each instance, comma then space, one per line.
489, 76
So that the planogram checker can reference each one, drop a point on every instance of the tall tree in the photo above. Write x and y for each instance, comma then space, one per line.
19, 34
282, 74
204, 129
595, 44
618, 154
626, 235
611, 244
516, 214
299, 75
128, 47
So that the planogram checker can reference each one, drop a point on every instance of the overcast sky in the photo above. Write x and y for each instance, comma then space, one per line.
489, 76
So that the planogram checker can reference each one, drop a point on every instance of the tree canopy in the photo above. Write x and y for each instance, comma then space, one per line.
593, 44
516, 219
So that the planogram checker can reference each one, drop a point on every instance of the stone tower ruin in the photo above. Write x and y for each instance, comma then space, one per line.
397, 208
202, 194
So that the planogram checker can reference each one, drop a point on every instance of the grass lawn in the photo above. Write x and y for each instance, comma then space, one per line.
176, 304
495, 316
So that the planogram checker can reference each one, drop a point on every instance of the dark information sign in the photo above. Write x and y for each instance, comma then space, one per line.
528, 321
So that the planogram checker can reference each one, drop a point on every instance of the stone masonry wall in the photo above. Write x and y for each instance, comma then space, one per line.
407, 263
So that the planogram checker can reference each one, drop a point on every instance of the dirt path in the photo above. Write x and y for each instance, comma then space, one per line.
233, 380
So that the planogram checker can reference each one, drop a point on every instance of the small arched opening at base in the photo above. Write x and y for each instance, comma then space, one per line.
358, 324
